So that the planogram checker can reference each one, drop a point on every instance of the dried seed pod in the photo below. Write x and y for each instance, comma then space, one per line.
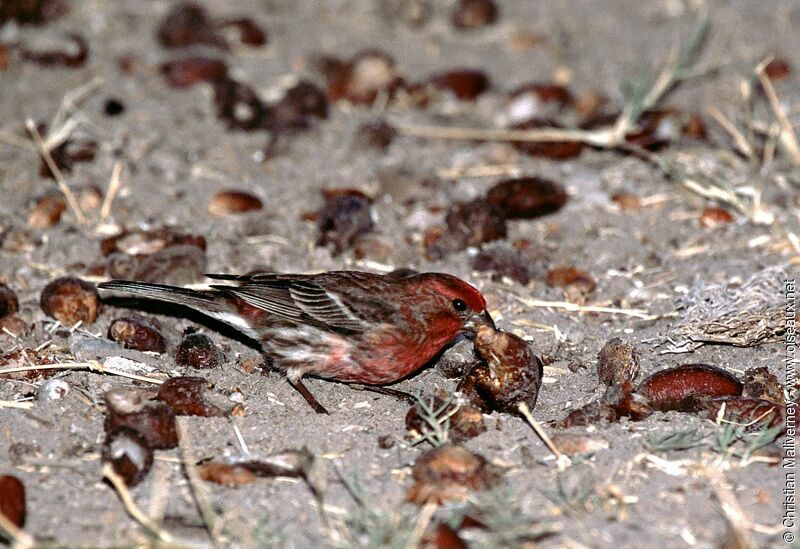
137, 332
154, 421
626, 201
512, 376
128, 453
226, 474
778, 69
755, 413
13, 324
239, 106
186, 24
695, 128
450, 473
249, 32
578, 443
71, 300
527, 197
577, 284
362, 78
468, 224
47, 212
618, 401
198, 351
299, 107
12, 500
184, 73
9, 305
345, 216
233, 202
617, 362
374, 135
465, 84
73, 55
474, 14
682, 388
465, 420
187, 396
714, 217
761, 383
442, 536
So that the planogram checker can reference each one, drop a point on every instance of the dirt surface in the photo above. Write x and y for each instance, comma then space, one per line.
176, 154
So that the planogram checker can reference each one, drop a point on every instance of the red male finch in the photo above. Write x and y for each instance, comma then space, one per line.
348, 326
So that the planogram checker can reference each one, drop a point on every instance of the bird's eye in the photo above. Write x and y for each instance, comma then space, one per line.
459, 305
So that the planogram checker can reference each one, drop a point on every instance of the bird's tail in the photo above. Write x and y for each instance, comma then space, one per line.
203, 301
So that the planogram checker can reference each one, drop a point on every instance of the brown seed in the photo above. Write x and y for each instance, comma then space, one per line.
576, 443
465, 420
755, 413
12, 500
577, 284
9, 304
73, 55
14, 325
299, 107
618, 401
233, 202
450, 473
617, 362
760, 383
682, 387
137, 332
442, 536
344, 217
778, 69
512, 374
360, 79
474, 14
154, 421
226, 474
527, 197
47, 211
465, 84
469, 224
249, 32
186, 24
189, 396
183, 73
71, 300
626, 201
239, 106
695, 128
374, 135
537, 100
714, 217
128, 453
198, 351
90, 197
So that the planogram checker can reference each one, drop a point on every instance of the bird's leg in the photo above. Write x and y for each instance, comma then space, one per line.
396, 393
296, 382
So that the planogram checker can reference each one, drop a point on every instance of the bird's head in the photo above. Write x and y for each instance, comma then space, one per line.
458, 304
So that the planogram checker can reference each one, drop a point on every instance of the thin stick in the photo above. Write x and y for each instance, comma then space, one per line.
738, 138
93, 366
62, 184
199, 489
21, 539
787, 136
239, 437
16, 404
114, 185
423, 520
561, 460
131, 507
572, 307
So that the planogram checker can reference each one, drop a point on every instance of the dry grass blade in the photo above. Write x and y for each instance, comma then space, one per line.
562, 461
787, 136
572, 307
19, 405
739, 140
93, 366
51, 164
114, 185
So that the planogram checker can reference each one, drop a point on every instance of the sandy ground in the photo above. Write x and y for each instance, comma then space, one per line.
177, 155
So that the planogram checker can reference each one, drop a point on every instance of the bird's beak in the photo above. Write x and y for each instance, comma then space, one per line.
477, 320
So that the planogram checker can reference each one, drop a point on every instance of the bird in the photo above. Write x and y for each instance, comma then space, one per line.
349, 326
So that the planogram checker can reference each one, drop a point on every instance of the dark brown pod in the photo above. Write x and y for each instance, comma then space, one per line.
299, 107
184, 73
527, 197
442, 536
450, 473
362, 78
231, 475
468, 224
617, 402
617, 362
31, 12
756, 413
12, 500
226, 203
186, 24
761, 383
137, 332
74, 54
186, 396
250, 33
346, 215
514, 371
128, 453
9, 305
503, 262
71, 300
714, 217
694, 127
627, 201
682, 388
474, 14
589, 414
47, 212
556, 150
465, 84
778, 69
239, 106
14, 325
465, 420
154, 421
198, 351
374, 135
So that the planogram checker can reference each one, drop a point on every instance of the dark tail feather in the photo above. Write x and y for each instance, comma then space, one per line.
204, 301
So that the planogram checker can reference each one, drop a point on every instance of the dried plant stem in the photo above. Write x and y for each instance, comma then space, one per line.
92, 365
51, 164
561, 460
20, 405
742, 145
572, 307
114, 185
787, 136
423, 520
199, 489
131, 507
